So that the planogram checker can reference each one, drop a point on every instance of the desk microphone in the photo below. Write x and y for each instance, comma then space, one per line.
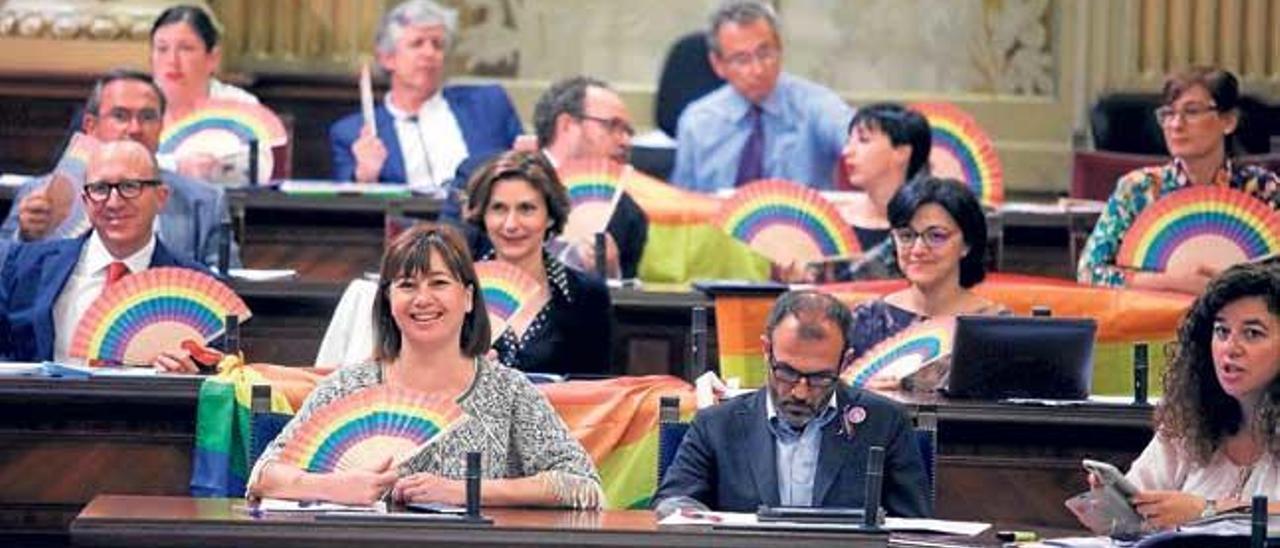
697, 342
224, 250
231, 335
601, 266
1258, 522
473, 485
875, 481
1140, 367
253, 162
1041, 311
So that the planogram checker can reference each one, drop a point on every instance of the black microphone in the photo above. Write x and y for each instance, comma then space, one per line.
601, 264
1258, 522
224, 249
1140, 368
1041, 311
875, 481
231, 335
253, 162
473, 485
697, 342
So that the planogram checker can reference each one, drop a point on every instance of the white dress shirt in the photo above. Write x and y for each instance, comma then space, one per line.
84, 286
430, 141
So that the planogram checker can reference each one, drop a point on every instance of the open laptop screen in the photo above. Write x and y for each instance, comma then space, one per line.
998, 357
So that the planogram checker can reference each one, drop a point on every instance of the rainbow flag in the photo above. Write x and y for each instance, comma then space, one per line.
685, 244
1126, 317
616, 420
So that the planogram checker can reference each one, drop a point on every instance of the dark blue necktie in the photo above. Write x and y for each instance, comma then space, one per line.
751, 164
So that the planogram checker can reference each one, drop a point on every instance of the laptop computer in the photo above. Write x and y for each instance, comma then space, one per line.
998, 357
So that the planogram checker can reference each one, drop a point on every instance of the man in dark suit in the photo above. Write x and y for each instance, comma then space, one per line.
423, 131
802, 440
46, 287
126, 104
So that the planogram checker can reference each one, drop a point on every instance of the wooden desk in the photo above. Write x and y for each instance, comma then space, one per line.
63, 442
174, 521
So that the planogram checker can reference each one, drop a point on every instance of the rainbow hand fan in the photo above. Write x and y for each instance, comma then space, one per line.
962, 150
360, 431
222, 128
152, 311
594, 189
512, 297
904, 353
1200, 225
786, 222
62, 187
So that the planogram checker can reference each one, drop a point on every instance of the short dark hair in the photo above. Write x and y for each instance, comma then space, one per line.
902, 126
1195, 410
568, 96
200, 21
94, 102
1221, 84
525, 166
959, 202
810, 307
740, 12
409, 255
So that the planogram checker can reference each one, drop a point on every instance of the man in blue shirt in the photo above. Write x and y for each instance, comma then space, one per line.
764, 123
804, 439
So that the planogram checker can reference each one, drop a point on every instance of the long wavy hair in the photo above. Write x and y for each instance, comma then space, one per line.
1195, 410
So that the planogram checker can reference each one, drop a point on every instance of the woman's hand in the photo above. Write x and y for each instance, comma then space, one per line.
370, 155
425, 487
1166, 509
362, 486
884, 382
199, 165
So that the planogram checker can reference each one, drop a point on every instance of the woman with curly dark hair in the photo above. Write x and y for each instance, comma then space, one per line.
1216, 443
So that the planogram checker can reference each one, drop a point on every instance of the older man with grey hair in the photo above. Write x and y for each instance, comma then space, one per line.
763, 123
424, 130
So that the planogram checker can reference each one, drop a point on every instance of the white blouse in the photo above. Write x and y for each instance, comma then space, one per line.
1165, 465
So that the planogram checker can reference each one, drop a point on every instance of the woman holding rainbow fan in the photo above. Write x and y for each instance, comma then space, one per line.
431, 334
1198, 117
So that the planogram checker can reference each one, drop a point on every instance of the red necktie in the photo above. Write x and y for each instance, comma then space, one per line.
115, 271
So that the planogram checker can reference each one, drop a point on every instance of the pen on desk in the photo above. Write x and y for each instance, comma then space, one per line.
697, 514
1016, 536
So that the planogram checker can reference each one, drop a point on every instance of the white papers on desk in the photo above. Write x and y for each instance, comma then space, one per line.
19, 369
1119, 400
747, 520
263, 274
1063, 205
295, 506
299, 186
14, 179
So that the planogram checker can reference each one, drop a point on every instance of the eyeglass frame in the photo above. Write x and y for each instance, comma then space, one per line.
1166, 114
614, 125
906, 237
826, 380
137, 186
123, 115
765, 54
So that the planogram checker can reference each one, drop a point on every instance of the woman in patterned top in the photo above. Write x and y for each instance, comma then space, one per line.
940, 234
1216, 442
1197, 118
517, 202
431, 333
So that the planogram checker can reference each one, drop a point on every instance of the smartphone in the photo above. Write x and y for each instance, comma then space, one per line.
1110, 476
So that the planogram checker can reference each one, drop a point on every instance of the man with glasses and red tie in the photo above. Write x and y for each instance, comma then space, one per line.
127, 105
46, 287
764, 123
803, 439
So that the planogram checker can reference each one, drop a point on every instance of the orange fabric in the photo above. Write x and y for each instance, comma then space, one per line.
608, 414
667, 204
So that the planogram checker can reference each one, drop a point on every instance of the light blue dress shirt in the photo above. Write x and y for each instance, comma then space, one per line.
805, 128
797, 453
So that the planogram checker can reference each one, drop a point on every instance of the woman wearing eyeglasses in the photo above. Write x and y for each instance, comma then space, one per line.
940, 236
1197, 118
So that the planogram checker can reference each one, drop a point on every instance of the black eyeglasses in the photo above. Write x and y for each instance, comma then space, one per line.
128, 189
790, 376
615, 125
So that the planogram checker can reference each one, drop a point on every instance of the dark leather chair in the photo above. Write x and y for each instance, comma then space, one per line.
1126, 122
686, 76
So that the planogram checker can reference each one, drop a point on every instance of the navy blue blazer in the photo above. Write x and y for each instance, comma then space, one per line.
191, 220
488, 121
31, 280
728, 460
